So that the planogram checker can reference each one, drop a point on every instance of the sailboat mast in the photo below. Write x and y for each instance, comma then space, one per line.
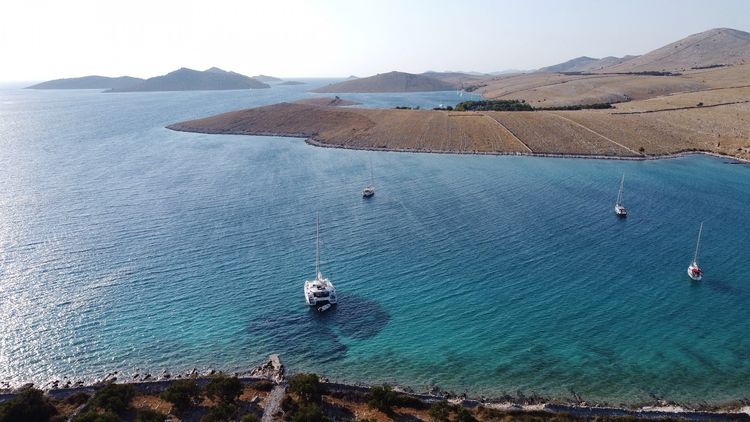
317, 244
697, 244
371, 177
619, 193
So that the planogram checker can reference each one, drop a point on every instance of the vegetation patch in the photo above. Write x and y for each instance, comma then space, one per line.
494, 105
30, 405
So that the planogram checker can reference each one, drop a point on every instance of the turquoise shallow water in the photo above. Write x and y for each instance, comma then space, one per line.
127, 246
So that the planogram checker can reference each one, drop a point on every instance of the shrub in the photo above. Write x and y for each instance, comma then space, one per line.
77, 399
30, 405
114, 397
182, 394
382, 398
249, 418
307, 387
463, 415
309, 412
96, 417
288, 404
220, 413
263, 385
148, 415
224, 389
699, 104
440, 411
641, 150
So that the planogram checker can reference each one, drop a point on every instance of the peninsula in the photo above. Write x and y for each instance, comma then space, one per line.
612, 115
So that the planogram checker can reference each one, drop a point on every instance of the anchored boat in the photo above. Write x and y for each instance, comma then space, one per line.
320, 291
369, 190
620, 210
694, 271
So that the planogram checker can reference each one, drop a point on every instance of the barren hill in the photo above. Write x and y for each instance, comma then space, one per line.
719, 46
88, 82
586, 64
185, 79
389, 82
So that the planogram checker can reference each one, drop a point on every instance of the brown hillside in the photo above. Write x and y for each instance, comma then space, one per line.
713, 47
716, 128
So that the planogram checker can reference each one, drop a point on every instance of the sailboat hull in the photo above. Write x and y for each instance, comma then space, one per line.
693, 274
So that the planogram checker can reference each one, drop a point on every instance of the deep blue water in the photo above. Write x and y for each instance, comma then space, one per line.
127, 246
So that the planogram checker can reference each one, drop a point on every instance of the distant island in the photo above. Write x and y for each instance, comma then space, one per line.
266, 78
292, 83
183, 79
389, 82
88, 82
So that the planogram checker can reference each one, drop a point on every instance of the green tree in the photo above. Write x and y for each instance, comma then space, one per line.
307, 387
382, 398
182, 394
29, 406
440, 411
309, 412
114, 397
463, 415
249, 418
224, 389
148, 415
222, 412
96, 417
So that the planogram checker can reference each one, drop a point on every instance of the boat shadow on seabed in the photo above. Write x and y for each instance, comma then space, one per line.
315, 334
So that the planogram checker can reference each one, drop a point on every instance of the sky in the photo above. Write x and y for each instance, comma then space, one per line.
48, 39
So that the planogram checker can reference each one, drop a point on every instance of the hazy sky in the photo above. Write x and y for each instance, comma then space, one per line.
46, 39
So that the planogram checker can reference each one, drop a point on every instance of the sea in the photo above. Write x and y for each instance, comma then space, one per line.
125, 246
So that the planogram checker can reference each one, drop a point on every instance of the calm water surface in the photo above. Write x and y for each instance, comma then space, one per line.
124, 245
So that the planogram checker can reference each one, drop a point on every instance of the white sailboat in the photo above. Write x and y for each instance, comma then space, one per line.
694, 271
619, 208
319, 291
369, 190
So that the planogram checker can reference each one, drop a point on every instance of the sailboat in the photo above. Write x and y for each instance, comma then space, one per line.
369, 190
319, 291
694, 271
619, 209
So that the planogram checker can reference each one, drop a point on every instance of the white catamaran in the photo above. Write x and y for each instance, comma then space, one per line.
319, 291
619, 209
369, 190
694, 271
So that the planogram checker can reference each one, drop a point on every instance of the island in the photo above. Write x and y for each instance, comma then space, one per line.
89, 82
185, 79
389, 82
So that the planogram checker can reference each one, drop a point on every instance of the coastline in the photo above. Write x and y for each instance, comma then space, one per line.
533, 405
310, 140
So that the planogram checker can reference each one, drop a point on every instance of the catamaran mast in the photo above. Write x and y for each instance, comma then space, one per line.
317, 244
697, 244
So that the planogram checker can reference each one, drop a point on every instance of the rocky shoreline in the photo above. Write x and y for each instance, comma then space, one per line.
273, 370
310, 140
